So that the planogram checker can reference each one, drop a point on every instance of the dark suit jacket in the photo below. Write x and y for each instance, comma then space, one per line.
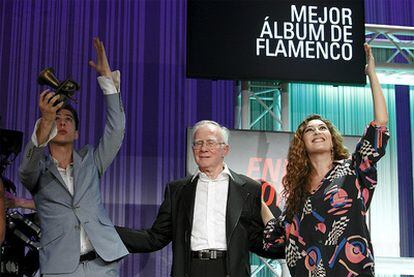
244, 227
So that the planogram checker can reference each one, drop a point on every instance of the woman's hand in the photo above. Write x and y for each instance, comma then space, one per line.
370, 65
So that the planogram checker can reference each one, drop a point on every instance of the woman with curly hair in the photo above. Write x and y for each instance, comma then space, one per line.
328, 193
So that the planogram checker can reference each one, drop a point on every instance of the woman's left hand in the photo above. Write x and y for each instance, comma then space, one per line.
370, 66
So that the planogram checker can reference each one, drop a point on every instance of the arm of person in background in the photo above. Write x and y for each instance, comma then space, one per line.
113, 134
380, 106
274, 233
256, 237
266, 213
2, 213
12, 202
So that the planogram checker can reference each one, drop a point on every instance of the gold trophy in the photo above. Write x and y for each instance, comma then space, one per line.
65, 89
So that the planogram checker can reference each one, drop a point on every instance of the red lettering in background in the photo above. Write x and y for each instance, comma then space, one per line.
266, 169
270, 172
268, 193
271, 198
274, 171
253, 169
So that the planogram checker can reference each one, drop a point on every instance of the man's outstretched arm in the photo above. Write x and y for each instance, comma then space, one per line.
114, 130
160, 234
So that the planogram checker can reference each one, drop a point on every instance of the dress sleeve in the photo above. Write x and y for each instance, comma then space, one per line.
274, 234
368, 151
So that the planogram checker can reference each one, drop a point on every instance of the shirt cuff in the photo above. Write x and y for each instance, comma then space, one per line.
110, 85
52, 134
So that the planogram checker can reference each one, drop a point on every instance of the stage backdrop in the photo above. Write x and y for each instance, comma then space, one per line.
146, 40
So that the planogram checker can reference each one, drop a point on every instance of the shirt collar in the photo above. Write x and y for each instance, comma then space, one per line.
226, 171
56, 162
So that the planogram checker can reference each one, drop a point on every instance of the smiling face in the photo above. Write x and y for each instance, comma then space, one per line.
317, 137
209, 149
66, 128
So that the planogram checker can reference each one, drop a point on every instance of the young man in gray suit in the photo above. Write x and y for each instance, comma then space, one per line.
78, 238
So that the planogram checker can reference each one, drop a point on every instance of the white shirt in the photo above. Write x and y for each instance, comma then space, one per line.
209, 221
108, 86
67, 176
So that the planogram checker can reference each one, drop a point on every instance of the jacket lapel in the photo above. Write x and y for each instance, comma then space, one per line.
189, 191
236, 198
55, 172
235, 201
77, 160
79, 176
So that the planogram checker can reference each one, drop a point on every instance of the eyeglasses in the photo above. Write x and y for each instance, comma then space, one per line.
209, 144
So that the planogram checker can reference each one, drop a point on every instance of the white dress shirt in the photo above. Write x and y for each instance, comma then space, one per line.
209, 221
109, 86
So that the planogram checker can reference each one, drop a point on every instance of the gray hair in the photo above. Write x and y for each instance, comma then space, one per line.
223, 130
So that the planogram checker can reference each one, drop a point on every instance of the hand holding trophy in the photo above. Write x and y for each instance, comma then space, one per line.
65, 89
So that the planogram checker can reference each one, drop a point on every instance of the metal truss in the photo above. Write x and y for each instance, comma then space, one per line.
395, 65
275, 268
262, 102
397, 38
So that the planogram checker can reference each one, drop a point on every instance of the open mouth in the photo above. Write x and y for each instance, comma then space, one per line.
318, 140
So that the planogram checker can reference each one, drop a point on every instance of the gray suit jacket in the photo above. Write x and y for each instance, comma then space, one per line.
61, 214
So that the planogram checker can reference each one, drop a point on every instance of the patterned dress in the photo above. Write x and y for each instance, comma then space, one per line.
330, 236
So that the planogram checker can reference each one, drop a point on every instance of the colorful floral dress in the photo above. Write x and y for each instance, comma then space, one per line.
330, 236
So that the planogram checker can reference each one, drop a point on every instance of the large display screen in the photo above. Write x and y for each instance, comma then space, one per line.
292, 40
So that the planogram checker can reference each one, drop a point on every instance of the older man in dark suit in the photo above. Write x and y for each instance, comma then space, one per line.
212, 217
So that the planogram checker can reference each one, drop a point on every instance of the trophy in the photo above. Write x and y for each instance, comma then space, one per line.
65, 89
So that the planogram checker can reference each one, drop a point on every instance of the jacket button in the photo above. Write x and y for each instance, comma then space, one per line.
29, 153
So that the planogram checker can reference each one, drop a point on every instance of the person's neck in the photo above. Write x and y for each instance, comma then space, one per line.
321, 164
63, 153
212, 173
